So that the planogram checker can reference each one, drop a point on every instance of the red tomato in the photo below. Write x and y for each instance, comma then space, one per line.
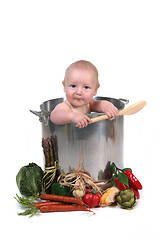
92, 198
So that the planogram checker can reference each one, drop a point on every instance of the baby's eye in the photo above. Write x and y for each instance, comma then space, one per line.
73, 85
86, 87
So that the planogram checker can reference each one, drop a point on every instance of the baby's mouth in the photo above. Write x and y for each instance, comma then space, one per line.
78, 98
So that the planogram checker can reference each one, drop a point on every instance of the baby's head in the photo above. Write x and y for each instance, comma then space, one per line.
81, 83
84, 66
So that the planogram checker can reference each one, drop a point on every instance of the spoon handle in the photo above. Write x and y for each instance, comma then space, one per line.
134, 108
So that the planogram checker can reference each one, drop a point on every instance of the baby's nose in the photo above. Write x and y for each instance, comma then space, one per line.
79, 91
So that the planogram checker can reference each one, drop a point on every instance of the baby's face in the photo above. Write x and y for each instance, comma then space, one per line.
80, 87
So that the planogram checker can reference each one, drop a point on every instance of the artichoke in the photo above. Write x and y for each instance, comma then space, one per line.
126, 199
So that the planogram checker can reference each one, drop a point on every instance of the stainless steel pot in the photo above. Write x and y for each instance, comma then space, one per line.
96, 144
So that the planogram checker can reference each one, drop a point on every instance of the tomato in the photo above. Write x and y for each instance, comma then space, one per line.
92, 198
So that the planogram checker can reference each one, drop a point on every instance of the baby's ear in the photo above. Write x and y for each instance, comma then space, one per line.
63, 82
98, 85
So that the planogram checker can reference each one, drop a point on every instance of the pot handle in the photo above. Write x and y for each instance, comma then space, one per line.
42, 116
124, 100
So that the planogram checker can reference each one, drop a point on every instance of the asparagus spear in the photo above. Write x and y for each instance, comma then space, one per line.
51, 152
45, 146
55, 147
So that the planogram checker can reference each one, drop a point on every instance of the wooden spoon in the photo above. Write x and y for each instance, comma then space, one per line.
134, 108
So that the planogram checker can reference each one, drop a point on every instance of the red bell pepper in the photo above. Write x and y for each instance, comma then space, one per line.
133, 181
92, 198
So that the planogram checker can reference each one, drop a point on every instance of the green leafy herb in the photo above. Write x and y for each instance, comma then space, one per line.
30, 211
117, 172
126, 169
113, 181
123, 179
28, 203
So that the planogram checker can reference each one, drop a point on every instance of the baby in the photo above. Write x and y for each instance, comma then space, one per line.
80, 85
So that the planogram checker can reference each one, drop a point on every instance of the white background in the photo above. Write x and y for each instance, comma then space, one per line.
39, 39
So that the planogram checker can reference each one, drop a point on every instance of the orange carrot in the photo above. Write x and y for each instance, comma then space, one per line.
59, 198
63, 208
40, 204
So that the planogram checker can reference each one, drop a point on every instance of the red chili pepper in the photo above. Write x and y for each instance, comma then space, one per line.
91, 198
136, 193
133, 181
120, 185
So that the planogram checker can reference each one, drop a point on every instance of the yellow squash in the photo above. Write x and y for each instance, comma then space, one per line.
108, 197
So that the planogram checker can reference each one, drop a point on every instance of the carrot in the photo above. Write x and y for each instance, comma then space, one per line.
40, 204
59, 198
63, 208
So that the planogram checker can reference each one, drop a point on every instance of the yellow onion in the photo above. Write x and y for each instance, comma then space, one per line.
108, 197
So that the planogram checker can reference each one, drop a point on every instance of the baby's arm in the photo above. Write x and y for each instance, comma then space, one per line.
62, 114
105, 107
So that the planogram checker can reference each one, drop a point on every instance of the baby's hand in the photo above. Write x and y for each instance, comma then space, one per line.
80, 120
111, 111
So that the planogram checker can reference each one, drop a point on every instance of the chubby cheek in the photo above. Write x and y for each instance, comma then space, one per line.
69, 92
88, 97
69, 96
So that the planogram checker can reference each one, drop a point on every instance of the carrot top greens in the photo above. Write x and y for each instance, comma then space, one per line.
28, 203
